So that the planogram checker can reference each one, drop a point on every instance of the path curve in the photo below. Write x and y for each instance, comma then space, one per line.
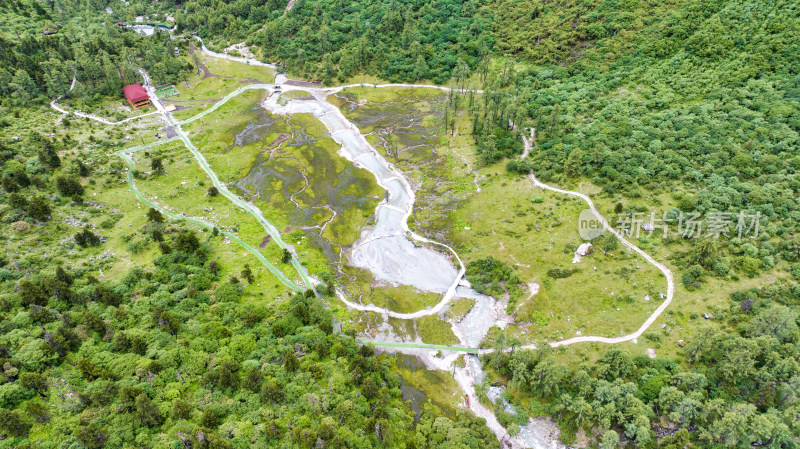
54, 105
663, 268
105, 121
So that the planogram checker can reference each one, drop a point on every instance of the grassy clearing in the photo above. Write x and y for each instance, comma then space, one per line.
402, 298
536, 231
435, 330
238, 70
81, 133
108, 107
201, 92
292, 94
459, 307
386, 95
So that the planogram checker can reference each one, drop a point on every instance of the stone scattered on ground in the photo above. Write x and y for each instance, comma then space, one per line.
583, 250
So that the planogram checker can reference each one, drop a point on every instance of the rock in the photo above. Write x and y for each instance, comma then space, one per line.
681, 343
648, 226
584, 250
708, 316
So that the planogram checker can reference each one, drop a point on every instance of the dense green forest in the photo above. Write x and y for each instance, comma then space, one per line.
398, 40
37, 65
167, 354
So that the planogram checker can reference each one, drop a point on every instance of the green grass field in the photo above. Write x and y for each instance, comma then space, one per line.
200, 92
535, 231
238, 70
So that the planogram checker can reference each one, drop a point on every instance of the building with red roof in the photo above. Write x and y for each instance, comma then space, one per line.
136, 96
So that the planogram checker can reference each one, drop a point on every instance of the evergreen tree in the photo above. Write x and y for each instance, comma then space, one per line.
38, 208
87, 238
155, 216
157, 166
247, 274
68, 186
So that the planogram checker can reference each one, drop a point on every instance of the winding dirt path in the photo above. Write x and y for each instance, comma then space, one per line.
663, 268
105, 121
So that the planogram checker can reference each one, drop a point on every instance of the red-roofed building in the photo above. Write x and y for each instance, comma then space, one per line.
136, 96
